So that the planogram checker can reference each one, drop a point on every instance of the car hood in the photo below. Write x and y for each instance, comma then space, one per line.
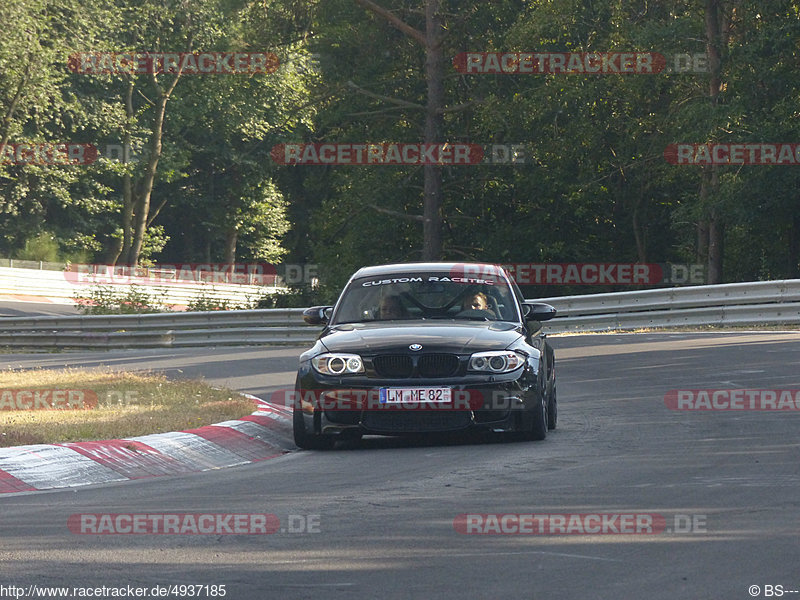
438, 336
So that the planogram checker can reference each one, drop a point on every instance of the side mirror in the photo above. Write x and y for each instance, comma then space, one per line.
538, 311
317, 315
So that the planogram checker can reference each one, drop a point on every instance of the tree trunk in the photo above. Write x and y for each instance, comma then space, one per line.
793, 266
710, 185
716, 238
231, 237
5, 126
431, 40
434, 76
641, 253
127, 181
144, 190
112, 252
701, 256
127, 218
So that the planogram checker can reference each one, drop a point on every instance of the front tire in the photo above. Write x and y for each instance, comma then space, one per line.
538, 430
305, 440
552, 410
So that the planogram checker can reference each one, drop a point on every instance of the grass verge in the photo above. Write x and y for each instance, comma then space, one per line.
115, 405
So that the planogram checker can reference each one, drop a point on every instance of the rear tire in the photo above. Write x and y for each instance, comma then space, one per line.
305, 440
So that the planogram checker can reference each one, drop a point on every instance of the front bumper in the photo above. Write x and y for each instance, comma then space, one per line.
345, 406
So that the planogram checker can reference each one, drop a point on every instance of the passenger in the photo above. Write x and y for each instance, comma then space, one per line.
478, 301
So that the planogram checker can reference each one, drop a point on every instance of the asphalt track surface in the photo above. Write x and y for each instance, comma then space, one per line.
386, 507
15, 308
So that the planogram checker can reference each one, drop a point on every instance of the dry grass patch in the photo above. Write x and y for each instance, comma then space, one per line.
127, 404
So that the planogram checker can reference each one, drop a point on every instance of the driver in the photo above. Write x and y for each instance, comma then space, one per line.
391, 308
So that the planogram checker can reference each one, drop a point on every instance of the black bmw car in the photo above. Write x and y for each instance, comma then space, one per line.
426, 348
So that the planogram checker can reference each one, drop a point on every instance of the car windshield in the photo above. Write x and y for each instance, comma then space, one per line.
426, 296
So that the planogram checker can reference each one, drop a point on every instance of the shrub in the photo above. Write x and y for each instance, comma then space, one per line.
105, 300
43, 247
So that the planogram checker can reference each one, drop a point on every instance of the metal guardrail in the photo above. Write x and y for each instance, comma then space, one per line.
764, 292
755, 303
758, 303
208, 328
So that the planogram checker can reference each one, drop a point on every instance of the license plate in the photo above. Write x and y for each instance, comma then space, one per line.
441, 395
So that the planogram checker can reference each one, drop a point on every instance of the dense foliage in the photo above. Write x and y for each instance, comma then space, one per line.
195, 180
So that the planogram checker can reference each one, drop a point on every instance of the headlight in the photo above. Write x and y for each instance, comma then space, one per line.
503, 361
338, 364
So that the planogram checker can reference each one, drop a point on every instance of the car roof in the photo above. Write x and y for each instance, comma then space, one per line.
431, 267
